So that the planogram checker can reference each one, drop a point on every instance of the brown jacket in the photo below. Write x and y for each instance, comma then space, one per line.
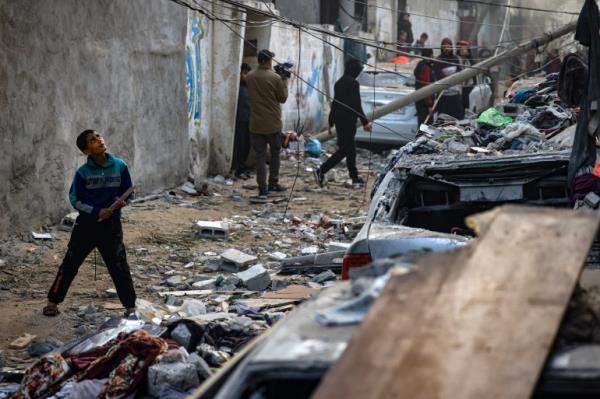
267, 92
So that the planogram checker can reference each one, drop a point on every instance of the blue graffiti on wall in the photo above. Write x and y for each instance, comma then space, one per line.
193, 68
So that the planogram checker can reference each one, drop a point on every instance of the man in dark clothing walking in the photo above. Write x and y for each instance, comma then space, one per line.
241, 142
345, 109
424, 76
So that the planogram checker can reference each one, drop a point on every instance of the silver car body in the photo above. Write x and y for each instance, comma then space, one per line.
378, 89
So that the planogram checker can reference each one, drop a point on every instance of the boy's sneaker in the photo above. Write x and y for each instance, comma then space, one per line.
358, 181
263, 194
241, 176
277, 188
318, 177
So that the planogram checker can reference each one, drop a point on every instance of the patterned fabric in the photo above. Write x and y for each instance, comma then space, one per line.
125, 362
43, 378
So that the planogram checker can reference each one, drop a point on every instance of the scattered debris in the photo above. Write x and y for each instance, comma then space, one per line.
233, 260
255, 278
213, 230
22, 342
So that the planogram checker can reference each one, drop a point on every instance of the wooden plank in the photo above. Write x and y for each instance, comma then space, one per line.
293, 291
474, 323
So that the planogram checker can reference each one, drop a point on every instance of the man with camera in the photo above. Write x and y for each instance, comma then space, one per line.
267, 91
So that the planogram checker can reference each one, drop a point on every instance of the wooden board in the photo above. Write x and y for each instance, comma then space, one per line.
293, 291
474, 323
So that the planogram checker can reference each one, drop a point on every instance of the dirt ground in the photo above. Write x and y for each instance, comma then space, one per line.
161, 241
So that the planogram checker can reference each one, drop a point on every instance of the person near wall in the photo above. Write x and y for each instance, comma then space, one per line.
404, 25
424, 76
267, 91
420, 44
463, 51
241, 143
403, 43
447, 64
345, 110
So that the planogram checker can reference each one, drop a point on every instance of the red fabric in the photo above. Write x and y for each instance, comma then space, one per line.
116, 355
425, 78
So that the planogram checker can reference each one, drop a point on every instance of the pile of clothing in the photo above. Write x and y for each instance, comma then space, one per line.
128, 358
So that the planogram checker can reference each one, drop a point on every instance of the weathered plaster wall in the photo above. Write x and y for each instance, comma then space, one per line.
318, 64
65, 65
446, 26
306, 11
213, 58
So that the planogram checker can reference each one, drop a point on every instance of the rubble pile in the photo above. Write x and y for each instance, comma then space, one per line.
533, 115
203, 294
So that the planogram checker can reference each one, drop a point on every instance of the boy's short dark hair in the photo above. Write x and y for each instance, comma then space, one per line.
427, 52
245, 67
82, 139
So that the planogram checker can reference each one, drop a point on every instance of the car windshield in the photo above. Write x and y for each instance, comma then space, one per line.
385, 79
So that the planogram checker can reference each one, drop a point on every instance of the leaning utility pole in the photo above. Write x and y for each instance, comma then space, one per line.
461, 76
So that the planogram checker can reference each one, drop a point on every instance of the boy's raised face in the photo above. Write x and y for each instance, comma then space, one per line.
95, 144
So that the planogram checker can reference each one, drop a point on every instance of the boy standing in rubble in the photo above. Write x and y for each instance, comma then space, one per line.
99, 190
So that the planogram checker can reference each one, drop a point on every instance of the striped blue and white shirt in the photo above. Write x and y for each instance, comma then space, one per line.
95, 187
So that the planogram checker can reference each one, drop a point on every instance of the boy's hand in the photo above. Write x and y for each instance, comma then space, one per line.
105, 213
118, 204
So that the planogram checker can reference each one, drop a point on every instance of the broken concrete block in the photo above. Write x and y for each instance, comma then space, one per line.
111, 293
68, 221
174, 281
22, 342
278, 284
233, 260
256, 278
192, 307
233, 280
310, 250
172, 300
182, 335
592, 200
204, 284
189, 188
322, 277
277, 256
202, 368
212, 356
181, 376
213, 230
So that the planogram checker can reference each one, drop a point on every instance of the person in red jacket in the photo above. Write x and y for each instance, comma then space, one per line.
424, 76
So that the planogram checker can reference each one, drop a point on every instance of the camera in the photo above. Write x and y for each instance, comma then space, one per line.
283, 70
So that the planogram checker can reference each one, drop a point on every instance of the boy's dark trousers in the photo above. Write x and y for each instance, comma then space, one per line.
346, 148
107, 236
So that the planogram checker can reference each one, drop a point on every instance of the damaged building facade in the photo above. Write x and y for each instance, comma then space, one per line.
159, 81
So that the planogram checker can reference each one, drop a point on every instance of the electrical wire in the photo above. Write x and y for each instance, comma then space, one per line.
440, 18
367, 42
297, 75
518, 7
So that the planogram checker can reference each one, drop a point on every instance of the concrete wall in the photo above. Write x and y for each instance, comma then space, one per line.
65, 65
213, 59
319, 65
305, 11
446, 25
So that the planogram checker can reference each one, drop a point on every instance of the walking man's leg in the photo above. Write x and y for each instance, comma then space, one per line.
260, 148
112, 249
275, 149
350, 150
80, 245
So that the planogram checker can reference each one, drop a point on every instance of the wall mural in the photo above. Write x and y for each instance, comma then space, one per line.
193, 68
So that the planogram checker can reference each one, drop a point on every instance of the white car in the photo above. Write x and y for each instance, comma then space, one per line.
378, 88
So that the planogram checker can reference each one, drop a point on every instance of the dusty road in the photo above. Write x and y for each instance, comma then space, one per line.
161, 242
